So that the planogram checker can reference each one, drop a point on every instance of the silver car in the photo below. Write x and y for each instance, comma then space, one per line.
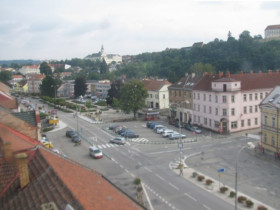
118, 140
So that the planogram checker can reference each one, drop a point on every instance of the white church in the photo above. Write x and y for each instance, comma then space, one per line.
102, 55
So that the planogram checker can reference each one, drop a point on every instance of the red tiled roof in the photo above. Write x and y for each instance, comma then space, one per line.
272, 27
17, 76
155, 85
248, 81
4, 88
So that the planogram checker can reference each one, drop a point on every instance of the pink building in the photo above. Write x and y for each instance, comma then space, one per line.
230, 103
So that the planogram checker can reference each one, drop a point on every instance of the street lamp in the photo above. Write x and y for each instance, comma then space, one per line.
236, 173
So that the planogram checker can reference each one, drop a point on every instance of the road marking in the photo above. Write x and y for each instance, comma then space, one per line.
121, 166
148, 169
160, 177
126, 171
108, 145
206, 207
175, 150
172, 185
207, 145
226, 142
186, 194
139, 163
148, 198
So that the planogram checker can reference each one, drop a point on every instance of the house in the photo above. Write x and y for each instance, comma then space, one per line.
270, 122
21, 86
180, 98
99, 88
33, 69
158, 96
109, 58
272, 32
229, 103
6, 100
34, 81
33, 177
66, 89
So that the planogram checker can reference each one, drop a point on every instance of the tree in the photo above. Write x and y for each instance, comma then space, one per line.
133, 95
45, 69
114, 92
49, 87
5, 76
103, 67
80, 87
200, 68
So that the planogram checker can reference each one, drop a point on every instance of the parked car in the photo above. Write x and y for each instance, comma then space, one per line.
149, 123
157, 126
76, 139
118, 140
70, 133
131, 135
166, 133
95, 152
197, 130
188, 127
160, 130
112, 126
177, 136
153, 125
127, 131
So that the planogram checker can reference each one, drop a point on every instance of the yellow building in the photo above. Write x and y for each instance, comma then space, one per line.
270, 111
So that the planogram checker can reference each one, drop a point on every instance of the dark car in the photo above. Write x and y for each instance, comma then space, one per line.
131, 135
76, 139
188, 127
149, 123
127, 131
70, 133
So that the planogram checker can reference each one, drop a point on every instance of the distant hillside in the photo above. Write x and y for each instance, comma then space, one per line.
19, 62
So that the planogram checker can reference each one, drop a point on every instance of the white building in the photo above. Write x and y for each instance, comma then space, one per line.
272, 32
33, 69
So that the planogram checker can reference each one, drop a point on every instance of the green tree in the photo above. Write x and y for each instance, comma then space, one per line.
200, 68
45, 69
114, 92
5, 76
103, 67
133, 95
80, 87
48, 87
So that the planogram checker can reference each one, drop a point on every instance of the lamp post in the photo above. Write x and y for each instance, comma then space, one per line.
236, 174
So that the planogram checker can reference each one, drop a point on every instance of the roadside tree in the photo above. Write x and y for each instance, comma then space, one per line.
80, 87
45, 69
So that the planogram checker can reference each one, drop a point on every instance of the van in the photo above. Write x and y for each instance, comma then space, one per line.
95, 152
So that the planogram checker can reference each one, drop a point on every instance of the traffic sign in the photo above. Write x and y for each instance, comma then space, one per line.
221, 170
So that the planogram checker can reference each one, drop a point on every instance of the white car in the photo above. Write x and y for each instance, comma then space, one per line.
166, 133
161, 130
177, 136
95, 152
118, 140
196, 129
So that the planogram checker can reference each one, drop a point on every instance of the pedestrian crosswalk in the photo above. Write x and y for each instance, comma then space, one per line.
139, 140
109, 145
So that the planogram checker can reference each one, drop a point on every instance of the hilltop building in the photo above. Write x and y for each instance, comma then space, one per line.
272, 32
109, 58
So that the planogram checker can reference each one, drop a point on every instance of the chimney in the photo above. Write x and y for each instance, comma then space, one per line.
8, 154
269, 71
221, 74
23, 169
228, 74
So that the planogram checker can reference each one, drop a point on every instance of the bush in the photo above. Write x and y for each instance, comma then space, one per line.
208, 181
137, 181
223, 189
194, 174
261, 207
232, 194
249, 203
241, 199
200, 178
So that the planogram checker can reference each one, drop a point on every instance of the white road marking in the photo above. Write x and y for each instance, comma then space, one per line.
172, 185
206, 207
207, 145
160, 177
175, 150
148, 169
186, 194
226, 142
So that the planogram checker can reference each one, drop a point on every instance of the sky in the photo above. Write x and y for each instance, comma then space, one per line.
66, 29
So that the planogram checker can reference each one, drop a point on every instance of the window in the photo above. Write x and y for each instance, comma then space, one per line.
198, 119
156, 96
250, 96
210, 98
244, 97
232, 111
216, 99
194, 107
224, 112
273, 122
210, 110
195, 118
204, 109
256, 121
245, 110
256, 108
179, 93
198, 107
256, 96
151, 95
198, 96
224, 99
205, 121
249, 122
261, 95
232, 99
265, 137
170, 93
163, 96
217, 124
234, 124
217, 111
251, 109
225, 87
194, 95
204, 97
272, 140
210, 123
242, 123
265, 120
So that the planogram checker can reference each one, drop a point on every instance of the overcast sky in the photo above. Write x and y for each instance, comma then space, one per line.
65, 29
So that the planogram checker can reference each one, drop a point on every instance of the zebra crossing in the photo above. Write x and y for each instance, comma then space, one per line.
139, 140
109, 145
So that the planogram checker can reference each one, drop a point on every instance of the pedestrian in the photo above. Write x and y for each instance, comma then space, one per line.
181, 166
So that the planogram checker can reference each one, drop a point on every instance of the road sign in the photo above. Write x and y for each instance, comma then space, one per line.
221, 170
180, 145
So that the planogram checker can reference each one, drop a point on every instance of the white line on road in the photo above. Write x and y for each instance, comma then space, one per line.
226, 142
148, 169
172, 185
126, 171
160, 177
140, 164
153, 153
121, 166
148, 198
186, 194
206, 207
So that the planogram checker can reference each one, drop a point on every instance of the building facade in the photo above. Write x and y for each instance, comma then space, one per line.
34, 81
180, 98
270, 122
33, 69
158, 96
109, 58
272, 32
230, 103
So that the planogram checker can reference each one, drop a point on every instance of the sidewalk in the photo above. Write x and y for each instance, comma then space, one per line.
215, 189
